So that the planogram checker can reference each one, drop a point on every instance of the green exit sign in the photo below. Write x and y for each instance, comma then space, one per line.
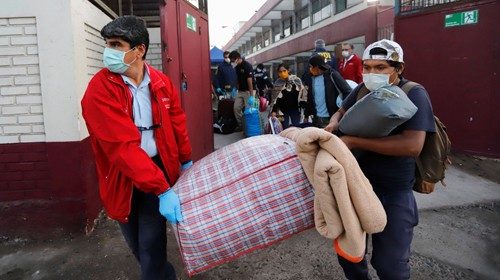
191, 22
463, 18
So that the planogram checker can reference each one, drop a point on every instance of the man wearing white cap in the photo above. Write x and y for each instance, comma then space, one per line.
389, 164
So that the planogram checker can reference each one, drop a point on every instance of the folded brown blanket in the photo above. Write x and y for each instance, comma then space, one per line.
345, 206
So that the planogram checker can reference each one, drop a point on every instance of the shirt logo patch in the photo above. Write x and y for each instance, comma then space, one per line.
166, 100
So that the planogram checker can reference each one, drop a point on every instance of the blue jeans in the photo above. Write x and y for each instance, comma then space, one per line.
391, 247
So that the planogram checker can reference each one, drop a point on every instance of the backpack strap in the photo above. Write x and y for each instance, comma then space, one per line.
408, 86
334, 83
362, 92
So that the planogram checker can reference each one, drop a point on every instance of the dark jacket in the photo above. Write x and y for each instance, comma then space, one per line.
262, 81
331, 91
226, 76
331, 58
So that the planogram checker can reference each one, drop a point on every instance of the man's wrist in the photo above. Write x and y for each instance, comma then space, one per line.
164, 193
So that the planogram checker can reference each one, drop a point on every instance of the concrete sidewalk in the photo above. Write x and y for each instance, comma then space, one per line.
457, 238
459, 242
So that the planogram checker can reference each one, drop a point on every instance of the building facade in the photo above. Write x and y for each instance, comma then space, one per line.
285, 30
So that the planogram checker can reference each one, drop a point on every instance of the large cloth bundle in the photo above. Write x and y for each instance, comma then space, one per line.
345, 205
243, 197
378, 113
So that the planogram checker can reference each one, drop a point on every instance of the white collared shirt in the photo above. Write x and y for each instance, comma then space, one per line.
143, 116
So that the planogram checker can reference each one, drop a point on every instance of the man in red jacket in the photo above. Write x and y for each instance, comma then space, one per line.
350, 67
138, 133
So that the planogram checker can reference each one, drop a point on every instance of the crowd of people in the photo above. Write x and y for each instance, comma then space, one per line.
308, 99
141, 143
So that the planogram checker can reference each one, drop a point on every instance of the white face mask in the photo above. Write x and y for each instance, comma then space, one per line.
227, 60
375, 81
346, 54
234, 64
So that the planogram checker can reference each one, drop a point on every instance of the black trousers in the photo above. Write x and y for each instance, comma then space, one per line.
145, 234
391, 247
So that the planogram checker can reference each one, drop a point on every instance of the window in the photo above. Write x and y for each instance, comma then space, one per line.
287, 27
321, 9
303, 18
277, 33
340, 6
267, 38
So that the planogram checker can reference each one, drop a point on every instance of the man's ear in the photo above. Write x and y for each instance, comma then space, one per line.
142, 50
400, 71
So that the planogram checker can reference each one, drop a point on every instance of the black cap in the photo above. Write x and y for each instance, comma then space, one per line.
319, 61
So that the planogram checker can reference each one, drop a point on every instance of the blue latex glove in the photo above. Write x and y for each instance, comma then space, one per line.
170, 206
219, 90
186, 165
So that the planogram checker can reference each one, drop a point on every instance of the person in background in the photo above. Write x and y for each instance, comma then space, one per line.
288, 88
389, 164
325, 87
350, 66
244, 73
140, 142
225, 81
330, 57
262, 81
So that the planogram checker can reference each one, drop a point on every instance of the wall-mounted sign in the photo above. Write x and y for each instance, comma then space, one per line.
463, 18
191, 22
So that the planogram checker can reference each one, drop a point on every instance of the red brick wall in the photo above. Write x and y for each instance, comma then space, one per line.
47, 188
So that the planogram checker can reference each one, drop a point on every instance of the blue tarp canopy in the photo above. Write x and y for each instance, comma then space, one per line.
216, 55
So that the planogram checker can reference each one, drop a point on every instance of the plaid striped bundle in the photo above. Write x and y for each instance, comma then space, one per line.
243, 197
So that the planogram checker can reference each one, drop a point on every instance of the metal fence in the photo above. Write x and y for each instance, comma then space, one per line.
386, 32
411, 6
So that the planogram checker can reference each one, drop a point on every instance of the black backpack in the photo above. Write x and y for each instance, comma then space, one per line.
435, 155
225, 125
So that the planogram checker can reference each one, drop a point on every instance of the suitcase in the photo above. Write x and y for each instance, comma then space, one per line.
242, 197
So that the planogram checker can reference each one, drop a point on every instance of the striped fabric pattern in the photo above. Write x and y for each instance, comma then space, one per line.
243, 197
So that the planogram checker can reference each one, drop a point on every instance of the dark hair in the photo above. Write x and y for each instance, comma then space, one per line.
284, 65
318, 60
397, 65
225, 53
234, 55
131, 29
260, 66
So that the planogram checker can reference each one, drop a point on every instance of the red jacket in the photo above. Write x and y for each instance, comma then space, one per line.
352, 70
121, 162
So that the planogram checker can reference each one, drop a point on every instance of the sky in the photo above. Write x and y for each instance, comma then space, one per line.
224, 15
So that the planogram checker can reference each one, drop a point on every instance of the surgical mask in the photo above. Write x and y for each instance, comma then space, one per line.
114, 60
234, 64
227, 60
283, 75
346, 54
375, 81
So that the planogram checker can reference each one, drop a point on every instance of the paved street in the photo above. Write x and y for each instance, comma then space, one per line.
457, 238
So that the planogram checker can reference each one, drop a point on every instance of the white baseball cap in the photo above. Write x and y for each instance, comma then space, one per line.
393, 49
